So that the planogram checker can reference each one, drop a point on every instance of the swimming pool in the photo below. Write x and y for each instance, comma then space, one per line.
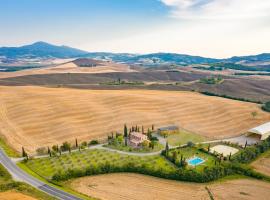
195, 161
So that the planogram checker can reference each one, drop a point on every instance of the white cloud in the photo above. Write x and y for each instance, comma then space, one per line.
219, 9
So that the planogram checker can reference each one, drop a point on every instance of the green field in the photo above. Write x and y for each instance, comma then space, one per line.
8, 150
122, 147
183, 137
47, 167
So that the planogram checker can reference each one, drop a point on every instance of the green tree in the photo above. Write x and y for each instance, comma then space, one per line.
125, 131
24, 154
65, 146
174, 157
167, 149
254, 114
49, 152
76, 143
55, 148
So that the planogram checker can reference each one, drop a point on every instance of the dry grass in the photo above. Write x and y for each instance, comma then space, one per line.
263, 164
37, 116
10, 195
136, 187
69, 67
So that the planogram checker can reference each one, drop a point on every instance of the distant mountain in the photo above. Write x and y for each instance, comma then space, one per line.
152, 59
40, 50
44, 50
265, 57
172, 58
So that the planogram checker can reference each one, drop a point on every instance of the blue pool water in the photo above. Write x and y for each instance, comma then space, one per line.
195, 161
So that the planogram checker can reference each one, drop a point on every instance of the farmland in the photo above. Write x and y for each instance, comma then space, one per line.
12, 190
10, 195
36, 117
148, 188
183, 137
95, 159
262, 164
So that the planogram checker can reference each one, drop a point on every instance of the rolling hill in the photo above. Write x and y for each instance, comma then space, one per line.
46, 50
40, 50
33, 117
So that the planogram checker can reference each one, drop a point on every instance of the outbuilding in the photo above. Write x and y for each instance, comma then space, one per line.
168, 130
263, 131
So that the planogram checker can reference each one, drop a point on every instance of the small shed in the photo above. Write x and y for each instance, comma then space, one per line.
167, 130
263, 131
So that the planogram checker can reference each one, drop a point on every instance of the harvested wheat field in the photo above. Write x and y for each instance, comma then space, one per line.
136, 187
10, 195
38, 116
262, 164
70, 67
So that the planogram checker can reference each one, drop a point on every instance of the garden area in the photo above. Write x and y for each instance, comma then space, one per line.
183, 137
134, 140
181, 157
193, 163
96, 161
144, 149
121, 143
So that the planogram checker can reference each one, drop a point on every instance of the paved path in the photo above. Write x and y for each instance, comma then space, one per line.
162, 141
20, 175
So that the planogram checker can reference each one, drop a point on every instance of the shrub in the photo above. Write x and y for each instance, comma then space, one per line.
42, 151
65, 146
266, 106
93, 142
250, 153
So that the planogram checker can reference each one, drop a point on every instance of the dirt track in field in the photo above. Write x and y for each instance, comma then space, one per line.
38, 116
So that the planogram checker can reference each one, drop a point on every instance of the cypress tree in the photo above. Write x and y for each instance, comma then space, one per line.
23, 152
142, 130
76, 143
125, 131
167, 149
49, 152
153, 127
246, 144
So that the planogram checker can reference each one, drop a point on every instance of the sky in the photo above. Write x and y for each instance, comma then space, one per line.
211, 28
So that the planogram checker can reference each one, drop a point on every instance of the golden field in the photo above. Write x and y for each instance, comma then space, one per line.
262, 164
137, 187
10, 195
70, 67
38, 116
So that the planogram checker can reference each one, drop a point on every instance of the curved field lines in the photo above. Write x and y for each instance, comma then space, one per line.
37, 116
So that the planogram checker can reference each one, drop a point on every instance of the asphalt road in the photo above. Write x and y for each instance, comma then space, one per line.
20, 175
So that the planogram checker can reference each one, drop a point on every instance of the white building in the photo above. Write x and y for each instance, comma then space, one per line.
263, 131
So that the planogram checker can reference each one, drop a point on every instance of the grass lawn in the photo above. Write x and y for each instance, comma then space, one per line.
9, 151
184, 137
47, 167
7, 184
189, 152
122, 147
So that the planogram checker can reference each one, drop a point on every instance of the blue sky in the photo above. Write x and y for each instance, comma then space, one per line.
215, 28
